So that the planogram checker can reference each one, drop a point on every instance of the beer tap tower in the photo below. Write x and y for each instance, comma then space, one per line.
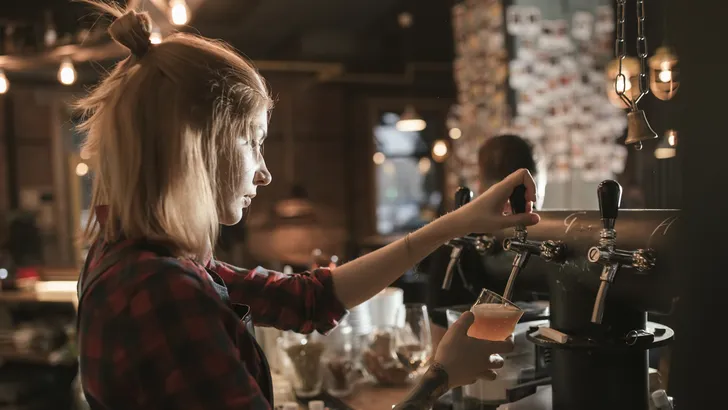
549, 250
599, 295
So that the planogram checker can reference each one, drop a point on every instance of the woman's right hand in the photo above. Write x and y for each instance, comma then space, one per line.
466, 359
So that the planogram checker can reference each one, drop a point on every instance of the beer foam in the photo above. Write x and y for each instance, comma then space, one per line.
495, 310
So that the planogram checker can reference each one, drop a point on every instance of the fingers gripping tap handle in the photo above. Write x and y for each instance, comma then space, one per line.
609, 193
462, 197
518, 199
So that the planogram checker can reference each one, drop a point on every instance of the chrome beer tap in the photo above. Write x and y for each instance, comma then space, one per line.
483, 244
550, 251
462, 197
606, 253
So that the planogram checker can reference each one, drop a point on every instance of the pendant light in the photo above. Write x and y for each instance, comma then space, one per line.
410, 121
664, 70
4, 83
179, 13
294, 226
66, 72
667, 148
664, 74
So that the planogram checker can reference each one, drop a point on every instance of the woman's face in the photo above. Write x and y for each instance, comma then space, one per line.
252, 173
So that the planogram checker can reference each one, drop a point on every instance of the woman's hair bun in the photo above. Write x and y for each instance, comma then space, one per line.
132, 30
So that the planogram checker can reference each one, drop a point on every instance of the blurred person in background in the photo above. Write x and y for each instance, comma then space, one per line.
498, 157
175, 135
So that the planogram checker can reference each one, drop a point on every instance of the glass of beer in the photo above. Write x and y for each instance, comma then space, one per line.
495, 317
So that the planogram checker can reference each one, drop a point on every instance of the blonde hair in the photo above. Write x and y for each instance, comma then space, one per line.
157, 128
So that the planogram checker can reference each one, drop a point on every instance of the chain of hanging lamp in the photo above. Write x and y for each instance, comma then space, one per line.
620, 50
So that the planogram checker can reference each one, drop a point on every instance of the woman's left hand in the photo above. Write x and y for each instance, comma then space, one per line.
487, 212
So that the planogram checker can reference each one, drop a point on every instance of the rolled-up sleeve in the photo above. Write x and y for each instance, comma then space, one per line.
302, 302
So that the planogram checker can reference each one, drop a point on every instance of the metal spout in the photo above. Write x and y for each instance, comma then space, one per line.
638, 129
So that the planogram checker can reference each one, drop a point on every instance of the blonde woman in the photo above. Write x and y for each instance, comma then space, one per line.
175, 134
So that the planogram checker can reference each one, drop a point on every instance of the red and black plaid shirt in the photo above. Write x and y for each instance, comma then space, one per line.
155, 333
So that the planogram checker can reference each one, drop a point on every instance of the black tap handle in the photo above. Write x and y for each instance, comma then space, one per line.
462, 196
518, 199
610, 197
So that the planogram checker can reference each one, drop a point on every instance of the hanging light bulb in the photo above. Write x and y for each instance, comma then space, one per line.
81, 169
155, 37
379, 158
455, 133
667, 148
630, 69
179, 13
4, 83
410, 121
51, 35
664, 74
439, 151
66, 72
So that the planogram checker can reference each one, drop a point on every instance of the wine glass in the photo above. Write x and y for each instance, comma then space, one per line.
413, 342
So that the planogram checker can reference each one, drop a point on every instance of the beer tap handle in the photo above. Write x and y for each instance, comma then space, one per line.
462, 197
609, 193
518, 199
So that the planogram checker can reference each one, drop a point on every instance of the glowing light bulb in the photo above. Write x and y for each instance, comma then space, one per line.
410, 121
439, 150
66, 72
667, 148
621, 83
179, 12
155, 37
455, 133
671, 138
378, 158
665, 76
81, 169
4, 83
50, 37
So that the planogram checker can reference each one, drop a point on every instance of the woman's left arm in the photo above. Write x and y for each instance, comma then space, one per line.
316, 300
362, 278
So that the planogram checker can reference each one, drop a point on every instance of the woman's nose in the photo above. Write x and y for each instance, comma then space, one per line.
263, 176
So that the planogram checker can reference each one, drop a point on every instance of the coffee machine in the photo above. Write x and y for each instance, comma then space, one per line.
603, 272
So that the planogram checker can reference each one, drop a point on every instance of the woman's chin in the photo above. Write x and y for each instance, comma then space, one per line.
231, 217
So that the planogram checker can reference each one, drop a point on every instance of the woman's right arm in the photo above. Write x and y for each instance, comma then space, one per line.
182, 353
459, 360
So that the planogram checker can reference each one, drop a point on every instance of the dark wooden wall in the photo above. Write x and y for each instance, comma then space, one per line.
697, 377
330, 122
